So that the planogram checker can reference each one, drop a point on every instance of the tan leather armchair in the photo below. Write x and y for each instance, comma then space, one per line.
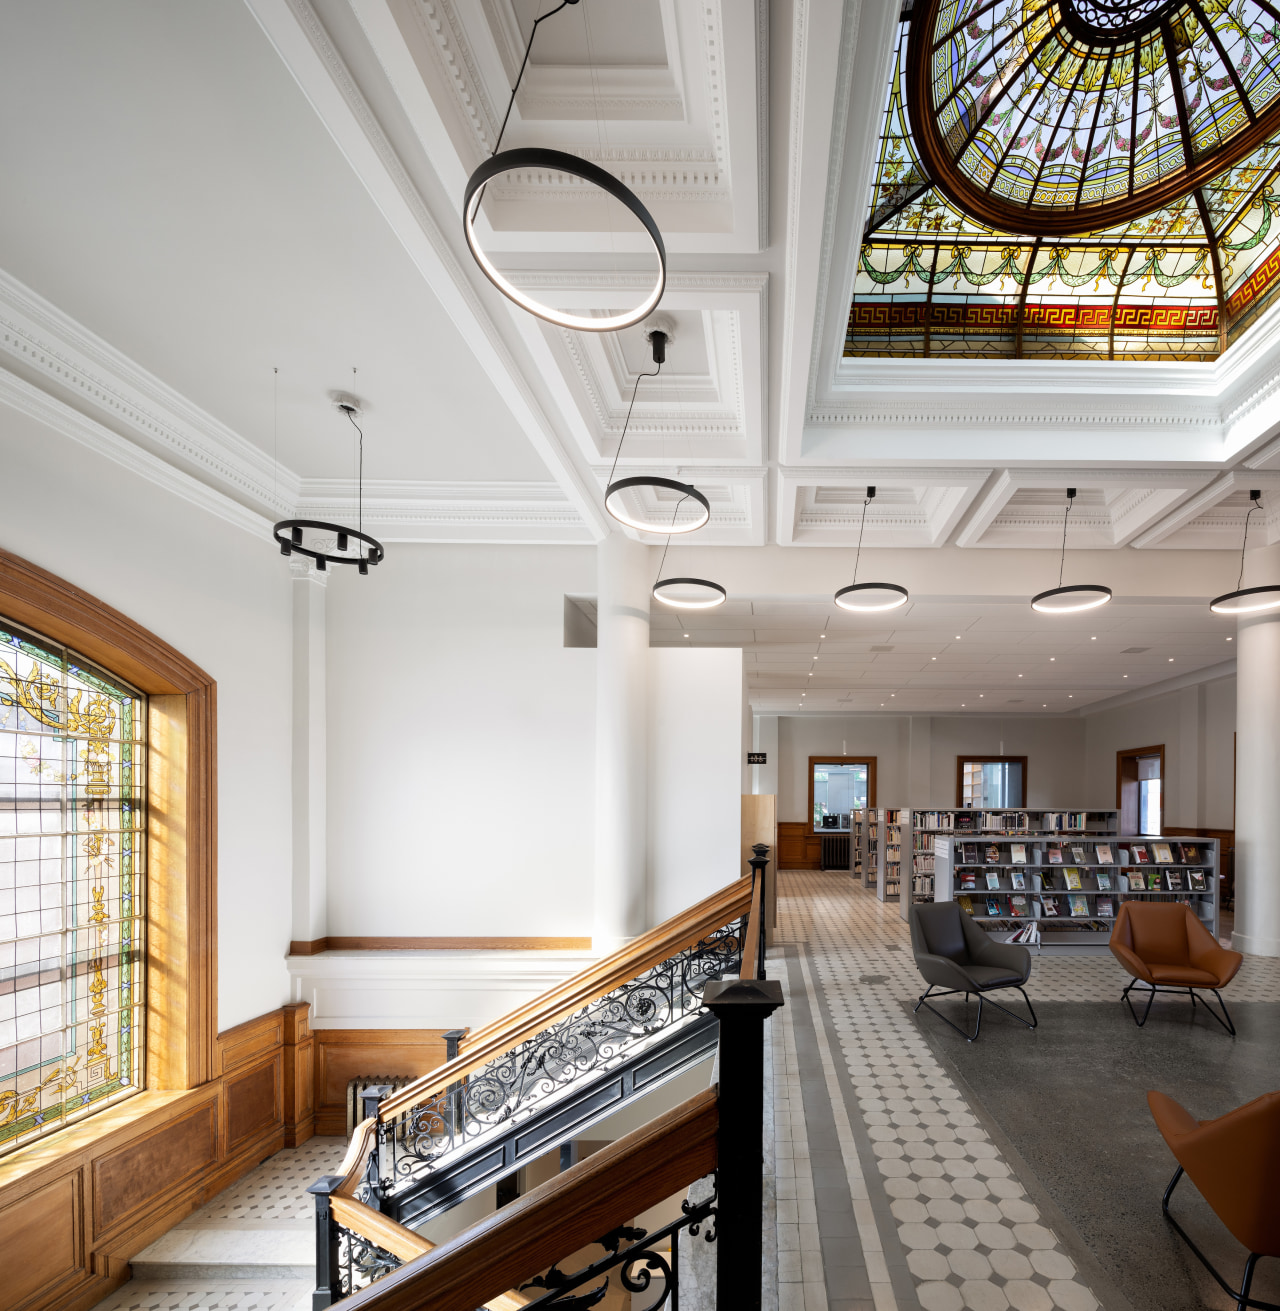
1235, 1163
1165, 946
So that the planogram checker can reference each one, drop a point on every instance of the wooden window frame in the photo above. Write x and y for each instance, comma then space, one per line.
869, 761
1131, 753
968, 759
182, 933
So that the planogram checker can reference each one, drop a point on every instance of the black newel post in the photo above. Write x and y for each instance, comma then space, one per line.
452, 1039
741, 1006
328, 1271
759, 863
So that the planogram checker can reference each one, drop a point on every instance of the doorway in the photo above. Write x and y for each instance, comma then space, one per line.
1140, 790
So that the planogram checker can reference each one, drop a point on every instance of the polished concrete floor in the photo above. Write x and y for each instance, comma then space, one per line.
1022, 1171
1070, 1100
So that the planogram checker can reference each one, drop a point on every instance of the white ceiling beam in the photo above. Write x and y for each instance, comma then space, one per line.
1191, 509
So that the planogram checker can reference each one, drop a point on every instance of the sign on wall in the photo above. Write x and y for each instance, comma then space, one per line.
757, 757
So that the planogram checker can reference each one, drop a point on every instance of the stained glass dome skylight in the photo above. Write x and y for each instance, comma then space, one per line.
1180, 280
1060, 116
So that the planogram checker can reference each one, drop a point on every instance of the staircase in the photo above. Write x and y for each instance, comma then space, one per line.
537, 1079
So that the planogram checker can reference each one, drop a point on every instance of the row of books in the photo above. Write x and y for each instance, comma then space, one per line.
1020, 907
1010, 821
1169, 880
1136, 853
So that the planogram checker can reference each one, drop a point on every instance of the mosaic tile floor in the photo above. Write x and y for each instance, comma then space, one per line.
229, 1233
929, 1190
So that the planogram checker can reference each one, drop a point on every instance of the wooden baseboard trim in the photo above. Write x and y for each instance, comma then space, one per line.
318, 945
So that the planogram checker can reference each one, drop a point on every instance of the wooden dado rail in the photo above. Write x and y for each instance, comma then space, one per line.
610, 1188
643, 953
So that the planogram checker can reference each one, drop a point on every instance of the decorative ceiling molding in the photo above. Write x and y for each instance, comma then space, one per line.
527, 513
1203, 522
915, 508
300, 38
26, 398
49, 347
1115, 506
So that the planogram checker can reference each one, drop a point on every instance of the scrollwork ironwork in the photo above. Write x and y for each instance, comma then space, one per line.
645, 1258
361, 1262
520, 1082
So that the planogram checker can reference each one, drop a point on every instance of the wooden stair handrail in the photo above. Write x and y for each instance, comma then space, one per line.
751, 945
571, 1211
400, 1241
596, 981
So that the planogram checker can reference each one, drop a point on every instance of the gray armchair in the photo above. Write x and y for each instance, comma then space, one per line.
957, 955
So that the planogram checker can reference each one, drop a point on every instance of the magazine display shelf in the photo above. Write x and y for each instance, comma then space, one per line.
925, 825
1174, 879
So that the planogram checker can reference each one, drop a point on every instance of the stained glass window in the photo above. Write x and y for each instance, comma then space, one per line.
1179, 283
72, 887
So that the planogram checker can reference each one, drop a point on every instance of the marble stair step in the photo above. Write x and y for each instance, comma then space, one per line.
226, 1253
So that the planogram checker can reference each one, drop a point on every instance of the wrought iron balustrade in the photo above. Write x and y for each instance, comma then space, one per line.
533, 1076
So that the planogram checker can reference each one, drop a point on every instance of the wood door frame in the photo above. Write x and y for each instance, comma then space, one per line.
869, 761
182, 821
968, 759
1132, 753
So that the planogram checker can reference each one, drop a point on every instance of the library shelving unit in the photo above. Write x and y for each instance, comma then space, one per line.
1056, 892
857, 842
924, 825
887, 832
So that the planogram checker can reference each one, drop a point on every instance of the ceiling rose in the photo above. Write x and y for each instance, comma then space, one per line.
1055, 117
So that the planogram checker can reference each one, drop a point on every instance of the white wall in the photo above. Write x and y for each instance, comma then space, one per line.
222, 598
446, 666
1196, 726
916, 755
695, 774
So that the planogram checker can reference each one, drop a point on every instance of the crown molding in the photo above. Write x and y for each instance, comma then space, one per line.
28, 399
66, 359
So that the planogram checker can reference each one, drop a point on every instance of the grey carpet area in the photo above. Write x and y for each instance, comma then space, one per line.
1070, 1098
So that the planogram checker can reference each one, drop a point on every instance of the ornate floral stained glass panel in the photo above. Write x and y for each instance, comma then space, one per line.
1180, 282
72, 887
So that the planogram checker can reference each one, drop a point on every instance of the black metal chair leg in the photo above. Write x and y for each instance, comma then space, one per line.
1247, 1282
1225, 1018
1032, 1023
1242, 1299
1129, 1003
920, 1003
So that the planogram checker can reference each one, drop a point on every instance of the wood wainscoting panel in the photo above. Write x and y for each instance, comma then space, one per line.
253, 1103
250, 1041
345, 1054
299, 1074
144, 1170
42, 1249
798, 848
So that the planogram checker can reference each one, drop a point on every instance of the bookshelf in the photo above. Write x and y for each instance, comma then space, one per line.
1085, 912
925, 824
887, 836
857, 846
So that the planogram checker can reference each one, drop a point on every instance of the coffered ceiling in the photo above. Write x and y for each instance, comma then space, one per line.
213, 192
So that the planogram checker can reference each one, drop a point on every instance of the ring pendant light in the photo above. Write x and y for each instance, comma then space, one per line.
1076, 596
614, 501
289, 533
557, 161
867, 598
1247, 600
687, 593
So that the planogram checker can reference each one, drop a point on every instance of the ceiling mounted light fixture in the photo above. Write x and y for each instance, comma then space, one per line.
332, 543
539, 159
869, 597
1076, 596
615, 501
1247, 600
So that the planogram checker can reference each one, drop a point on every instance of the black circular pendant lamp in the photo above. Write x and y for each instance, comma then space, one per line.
536, 158
867, 598
1076, 596
614, 498
291, 534
1247, 600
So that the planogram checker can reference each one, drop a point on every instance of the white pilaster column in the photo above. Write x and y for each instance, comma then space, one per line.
624, 577
1257, 924
310, 756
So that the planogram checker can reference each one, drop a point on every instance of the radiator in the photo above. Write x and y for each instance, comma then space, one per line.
357, 1086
